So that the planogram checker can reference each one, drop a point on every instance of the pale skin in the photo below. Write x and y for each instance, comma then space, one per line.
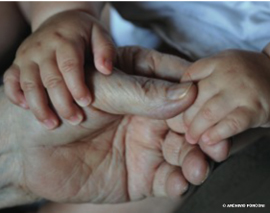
51, 60
158, 204
114, 155
233, 96
187, 136
13, 119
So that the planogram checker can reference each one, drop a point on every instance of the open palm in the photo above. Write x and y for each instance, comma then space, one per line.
117, 156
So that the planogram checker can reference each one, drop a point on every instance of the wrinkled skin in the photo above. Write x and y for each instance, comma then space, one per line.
114, 156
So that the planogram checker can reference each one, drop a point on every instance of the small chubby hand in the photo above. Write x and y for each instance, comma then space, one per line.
49, 67
233, 95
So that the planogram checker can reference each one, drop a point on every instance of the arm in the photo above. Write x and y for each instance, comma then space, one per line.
41, 11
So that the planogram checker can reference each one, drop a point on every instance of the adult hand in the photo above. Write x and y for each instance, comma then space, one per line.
113, 156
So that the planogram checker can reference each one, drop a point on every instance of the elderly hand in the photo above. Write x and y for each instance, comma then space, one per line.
115, 155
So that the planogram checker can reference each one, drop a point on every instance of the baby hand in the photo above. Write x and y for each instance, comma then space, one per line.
53, 57
233, 95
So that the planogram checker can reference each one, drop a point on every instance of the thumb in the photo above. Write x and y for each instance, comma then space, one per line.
122, 94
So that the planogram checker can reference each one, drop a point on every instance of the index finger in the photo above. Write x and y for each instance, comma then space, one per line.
70, 59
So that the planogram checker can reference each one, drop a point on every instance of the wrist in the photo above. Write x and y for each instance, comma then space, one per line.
42, 11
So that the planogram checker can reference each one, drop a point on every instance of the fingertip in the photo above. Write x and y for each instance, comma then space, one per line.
196, 167
206, 139
190, 139
19, 100
105, 66
84, 101
14, 93
24, 105
108, 65
45, 116
76, 119
176, 184
217, 152
50, 124
212, 139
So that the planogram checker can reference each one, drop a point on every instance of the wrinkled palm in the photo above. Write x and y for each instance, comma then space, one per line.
112, 157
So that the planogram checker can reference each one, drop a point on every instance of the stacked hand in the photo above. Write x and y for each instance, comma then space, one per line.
233, 96
51, 61
121, 152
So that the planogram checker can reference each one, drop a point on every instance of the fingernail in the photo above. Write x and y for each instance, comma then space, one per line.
190, 139
24, 105
108, 65
83, 102
179, 91
207, 174
50, 124
205, 139
75, 119
185, 189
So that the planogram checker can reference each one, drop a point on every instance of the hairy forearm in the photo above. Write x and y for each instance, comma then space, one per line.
41, 11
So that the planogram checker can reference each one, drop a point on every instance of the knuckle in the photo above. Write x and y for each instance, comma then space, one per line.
69, 65
21, 51
146, 86
148, 90
57, 35
28, 86
51, 82
155, 60
208, 114
58, 38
